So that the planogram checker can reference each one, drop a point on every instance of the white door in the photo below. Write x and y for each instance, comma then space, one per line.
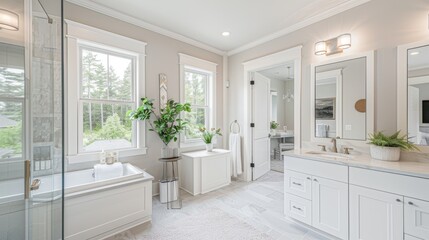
261, 120
375, 215
330, 207
416, 220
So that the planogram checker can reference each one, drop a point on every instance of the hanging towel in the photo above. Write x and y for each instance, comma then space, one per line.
322, 130
235, 148
104, 171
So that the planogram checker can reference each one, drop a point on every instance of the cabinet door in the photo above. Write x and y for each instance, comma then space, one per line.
416, 219
330, 207
375, 215
298, 184
215, 172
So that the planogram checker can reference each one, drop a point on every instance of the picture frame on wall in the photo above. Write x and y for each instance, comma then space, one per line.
325, 109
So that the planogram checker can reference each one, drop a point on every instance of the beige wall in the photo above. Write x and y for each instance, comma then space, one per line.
379, 25
162, 57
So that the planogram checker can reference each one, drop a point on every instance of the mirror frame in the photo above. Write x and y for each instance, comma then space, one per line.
402, 88
370, 103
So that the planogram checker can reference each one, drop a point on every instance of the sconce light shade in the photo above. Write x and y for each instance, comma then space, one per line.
9, 20
344, 41
320, 48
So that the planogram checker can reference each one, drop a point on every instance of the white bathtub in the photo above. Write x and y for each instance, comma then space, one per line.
92, 209
98, 209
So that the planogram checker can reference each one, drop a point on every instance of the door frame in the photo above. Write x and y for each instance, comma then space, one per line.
275, 59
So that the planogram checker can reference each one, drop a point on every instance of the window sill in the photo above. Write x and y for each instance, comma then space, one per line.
95, 156
195, 146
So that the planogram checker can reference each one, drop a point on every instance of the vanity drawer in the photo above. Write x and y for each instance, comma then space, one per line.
298, 208
416, 214
390, 182
298, 184
317, 168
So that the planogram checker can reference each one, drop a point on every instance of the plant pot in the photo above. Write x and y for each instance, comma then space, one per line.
385, 153
209, 147
168, 152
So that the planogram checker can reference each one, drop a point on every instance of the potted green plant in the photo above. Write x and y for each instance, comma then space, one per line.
388, 148
273, 126
208, 135
167, 124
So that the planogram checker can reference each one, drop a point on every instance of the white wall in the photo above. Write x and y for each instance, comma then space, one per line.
379, 25
162, 57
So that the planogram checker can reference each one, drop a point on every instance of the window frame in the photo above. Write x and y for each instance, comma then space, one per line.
24, 106
198, 66
80, 37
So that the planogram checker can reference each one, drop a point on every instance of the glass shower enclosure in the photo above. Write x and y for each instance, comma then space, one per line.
31, 120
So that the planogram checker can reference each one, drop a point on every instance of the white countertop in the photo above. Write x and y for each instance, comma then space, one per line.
415, 169
204, 153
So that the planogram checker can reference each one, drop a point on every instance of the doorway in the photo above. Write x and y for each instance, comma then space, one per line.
259, 113
281, 111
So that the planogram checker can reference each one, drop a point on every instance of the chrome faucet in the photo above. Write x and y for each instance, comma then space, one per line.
334, 144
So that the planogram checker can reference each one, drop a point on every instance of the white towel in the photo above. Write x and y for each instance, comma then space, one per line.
235, 148
322, 130
104, 171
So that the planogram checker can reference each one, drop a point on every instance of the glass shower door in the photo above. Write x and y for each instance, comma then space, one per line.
31, 122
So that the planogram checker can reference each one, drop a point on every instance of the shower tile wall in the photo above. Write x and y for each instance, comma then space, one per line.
46, 101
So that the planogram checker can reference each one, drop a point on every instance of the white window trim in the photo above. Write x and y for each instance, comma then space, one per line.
186, 61
77, 33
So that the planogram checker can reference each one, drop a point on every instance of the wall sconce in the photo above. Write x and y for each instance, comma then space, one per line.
9, 20
334, 45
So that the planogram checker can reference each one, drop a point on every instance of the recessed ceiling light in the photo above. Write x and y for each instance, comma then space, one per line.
226, 34
414, 53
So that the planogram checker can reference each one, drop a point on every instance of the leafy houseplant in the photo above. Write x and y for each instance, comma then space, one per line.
274, 125
388, 148
208, 135
167, 124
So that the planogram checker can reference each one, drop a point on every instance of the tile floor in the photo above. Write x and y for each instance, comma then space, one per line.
255, 207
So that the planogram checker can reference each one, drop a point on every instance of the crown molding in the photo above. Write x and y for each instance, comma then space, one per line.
123, 17
307, 22
317, 18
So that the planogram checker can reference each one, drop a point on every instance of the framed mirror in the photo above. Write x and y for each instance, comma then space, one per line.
413, 92
342, 103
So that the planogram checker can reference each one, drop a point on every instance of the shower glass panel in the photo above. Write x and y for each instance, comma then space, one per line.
31, 122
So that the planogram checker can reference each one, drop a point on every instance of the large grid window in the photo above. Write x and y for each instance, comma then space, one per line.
197, 92
198, 89
107, 93
105, 79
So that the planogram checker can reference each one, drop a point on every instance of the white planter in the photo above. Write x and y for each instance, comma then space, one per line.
168, 152
385, 153
209, 147
170, 189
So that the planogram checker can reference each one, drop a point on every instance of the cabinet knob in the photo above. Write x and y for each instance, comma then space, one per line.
410, 203
398, 200
295, 183
308, 178
315, 180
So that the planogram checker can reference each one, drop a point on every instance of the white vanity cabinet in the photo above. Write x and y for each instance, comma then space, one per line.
330, 207
202, 171
388, 206
375, 215
316, 194
416, 213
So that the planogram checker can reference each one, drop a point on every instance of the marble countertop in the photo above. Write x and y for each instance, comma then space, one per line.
414, 169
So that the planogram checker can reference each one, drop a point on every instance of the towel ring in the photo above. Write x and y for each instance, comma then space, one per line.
231, 126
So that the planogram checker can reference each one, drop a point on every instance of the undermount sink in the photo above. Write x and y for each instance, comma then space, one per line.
330, 154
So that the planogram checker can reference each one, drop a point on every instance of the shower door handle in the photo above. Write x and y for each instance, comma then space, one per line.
27, 177
34, 185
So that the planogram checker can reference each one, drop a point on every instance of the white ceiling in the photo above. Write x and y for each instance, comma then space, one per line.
279, 72
202, 22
